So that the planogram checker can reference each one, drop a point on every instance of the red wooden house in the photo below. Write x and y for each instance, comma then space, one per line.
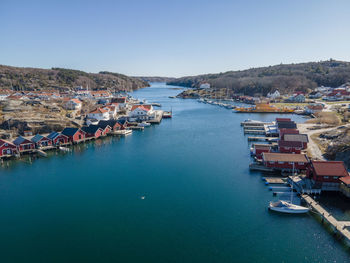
289, 146
7, 149
285, 161
24, 145
58, 138
282, 132
75, 135
258, 149
41, 141
297, 138
326, 174
92, 131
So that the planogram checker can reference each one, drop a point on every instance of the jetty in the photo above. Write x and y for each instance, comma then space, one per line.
158, 115
339, 227
122, 132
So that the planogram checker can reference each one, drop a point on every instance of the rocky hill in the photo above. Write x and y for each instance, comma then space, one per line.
285, 78
63, 79
157, 79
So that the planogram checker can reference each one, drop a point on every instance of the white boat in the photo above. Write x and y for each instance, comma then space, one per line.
144, 124
287, 207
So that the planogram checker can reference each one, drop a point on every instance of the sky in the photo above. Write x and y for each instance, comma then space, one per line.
172, 38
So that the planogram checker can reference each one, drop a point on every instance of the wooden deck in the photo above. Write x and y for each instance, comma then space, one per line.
338, 226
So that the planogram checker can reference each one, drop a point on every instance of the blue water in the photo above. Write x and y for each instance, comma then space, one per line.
201, 203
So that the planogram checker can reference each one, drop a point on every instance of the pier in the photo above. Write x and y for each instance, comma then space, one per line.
340, 227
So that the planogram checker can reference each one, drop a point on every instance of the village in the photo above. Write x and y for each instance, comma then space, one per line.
88, 115
284, 158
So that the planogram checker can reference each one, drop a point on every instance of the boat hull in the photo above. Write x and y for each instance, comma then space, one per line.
289, 211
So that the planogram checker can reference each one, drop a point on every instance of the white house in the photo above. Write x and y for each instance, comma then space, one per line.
112, 110
73, 104
99, 114
274, 95
141, 112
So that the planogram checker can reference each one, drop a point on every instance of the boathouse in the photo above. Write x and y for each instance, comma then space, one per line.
75, 135
23, 144
7, 149
326, 174
345, 185
297, 138
289, 146
41, 141
282, 132
259, 149
112, 124
58, 138
285, 161
286, 125
92, 131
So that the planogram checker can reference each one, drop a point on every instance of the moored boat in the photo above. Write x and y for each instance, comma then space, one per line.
287, 207
167, 114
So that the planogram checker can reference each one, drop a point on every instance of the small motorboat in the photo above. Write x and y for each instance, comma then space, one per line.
167, 114
144, 124
287, 207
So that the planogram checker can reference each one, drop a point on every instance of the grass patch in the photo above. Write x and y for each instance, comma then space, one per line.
329, 118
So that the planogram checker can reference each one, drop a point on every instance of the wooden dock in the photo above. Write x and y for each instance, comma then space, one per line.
274, 180
254, 131
340, 227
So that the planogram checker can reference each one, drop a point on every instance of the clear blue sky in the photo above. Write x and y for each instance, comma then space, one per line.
172, 38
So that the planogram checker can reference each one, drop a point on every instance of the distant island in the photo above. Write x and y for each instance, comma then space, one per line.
286, 78
30, 79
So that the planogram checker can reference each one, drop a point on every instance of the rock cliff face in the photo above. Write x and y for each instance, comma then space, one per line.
65, 79
338, 145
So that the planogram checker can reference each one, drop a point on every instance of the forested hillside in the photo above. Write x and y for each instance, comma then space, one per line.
60, 78
285, 78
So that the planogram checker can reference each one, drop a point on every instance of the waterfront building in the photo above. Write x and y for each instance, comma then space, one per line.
297, 137
75, 135
112, 124
23, 144
345, 185
58, 138
141, 112
92, 131
289, 146
326, 174
259, 149
282, 132
7, 149
285, 161
41, 141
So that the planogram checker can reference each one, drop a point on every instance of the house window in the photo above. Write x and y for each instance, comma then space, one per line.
326, 177
272, 162
335, 177
280, 162
301, 163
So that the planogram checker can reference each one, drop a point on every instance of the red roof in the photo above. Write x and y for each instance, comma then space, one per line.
345, 180
99, 110
2, 142
144, 107
331, 168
